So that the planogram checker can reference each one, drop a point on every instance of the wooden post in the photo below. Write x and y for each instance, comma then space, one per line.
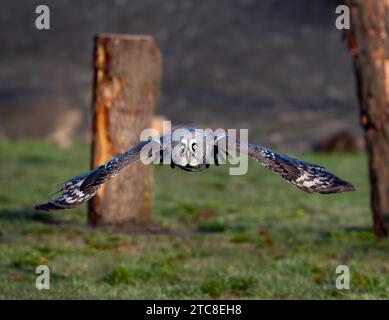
126, 91
369, 46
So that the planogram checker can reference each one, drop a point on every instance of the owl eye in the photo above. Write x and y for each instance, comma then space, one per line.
194, 146
182, 146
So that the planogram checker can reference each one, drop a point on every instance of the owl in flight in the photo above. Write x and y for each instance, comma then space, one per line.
192, 150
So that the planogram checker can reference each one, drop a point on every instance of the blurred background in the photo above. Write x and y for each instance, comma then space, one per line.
279, 68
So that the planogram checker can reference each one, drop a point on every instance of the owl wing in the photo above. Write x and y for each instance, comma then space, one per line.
83, 187
303, 175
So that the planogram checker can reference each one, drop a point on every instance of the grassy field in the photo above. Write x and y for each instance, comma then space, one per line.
250, 236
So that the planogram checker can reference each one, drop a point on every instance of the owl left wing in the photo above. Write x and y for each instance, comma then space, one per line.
83, 187
306, 176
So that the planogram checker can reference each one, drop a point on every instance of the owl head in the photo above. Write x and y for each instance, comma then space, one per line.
190, 147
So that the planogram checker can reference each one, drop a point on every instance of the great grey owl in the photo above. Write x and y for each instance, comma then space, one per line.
195, 150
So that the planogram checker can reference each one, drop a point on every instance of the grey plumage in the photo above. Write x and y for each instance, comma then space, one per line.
81, 188
308, 177
184, 155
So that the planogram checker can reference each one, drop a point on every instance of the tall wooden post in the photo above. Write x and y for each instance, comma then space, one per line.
369, 47
126, 91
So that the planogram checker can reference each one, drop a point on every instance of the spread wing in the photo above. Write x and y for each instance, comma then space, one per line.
303, 175
83, 187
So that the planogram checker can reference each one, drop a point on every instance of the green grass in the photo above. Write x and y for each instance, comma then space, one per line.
250, 236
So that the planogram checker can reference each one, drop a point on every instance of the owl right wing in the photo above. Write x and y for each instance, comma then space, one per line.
83, 187
306, 176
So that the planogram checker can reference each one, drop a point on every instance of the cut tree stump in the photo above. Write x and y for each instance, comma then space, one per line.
126, 91
369, 46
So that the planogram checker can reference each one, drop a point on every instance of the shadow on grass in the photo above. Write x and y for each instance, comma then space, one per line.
359, 229
53, 219
30, 214
151, 228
